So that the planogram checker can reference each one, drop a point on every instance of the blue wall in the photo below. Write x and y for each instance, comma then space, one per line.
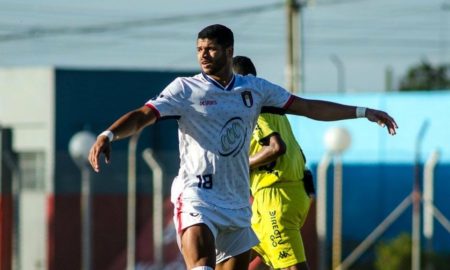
372, 144
93, 100
372, 191
379, 168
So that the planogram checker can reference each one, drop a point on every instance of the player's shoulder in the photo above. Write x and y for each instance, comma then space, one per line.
257, 82
195, 81
248, 81
196, 77
246, 78
187, 82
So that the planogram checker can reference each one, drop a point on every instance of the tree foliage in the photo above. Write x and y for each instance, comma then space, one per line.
396, 254
426, 77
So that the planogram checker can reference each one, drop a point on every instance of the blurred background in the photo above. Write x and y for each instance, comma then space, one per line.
69, 69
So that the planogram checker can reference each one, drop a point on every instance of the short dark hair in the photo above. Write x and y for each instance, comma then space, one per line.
222, 34
243, 65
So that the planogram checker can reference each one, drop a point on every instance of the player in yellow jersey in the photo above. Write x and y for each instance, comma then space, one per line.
280, 201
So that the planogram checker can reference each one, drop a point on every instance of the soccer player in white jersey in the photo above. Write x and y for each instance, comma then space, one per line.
217, 111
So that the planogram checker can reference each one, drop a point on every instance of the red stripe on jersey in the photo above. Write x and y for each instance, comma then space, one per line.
289, 102
157, 114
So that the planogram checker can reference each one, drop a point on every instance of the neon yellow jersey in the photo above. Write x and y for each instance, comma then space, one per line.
287, 168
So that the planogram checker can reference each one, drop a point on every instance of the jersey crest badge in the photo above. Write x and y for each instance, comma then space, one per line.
247, 98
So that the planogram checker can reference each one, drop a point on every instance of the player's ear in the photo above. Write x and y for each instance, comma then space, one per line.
230, 51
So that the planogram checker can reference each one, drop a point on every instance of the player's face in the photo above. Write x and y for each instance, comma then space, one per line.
212, 57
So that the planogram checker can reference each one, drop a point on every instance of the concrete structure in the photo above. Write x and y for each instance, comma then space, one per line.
44, 107
26, 106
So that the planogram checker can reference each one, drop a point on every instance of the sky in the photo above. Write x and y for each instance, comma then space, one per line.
368, 37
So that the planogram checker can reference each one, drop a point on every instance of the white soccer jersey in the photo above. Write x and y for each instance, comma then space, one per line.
215, 124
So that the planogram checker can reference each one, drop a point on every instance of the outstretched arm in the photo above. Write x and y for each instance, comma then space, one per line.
330, 111
127, 125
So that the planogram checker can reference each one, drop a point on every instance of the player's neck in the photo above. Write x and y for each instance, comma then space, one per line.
223, 78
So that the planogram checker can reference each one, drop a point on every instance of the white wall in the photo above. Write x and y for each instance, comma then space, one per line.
27, 106
33, 237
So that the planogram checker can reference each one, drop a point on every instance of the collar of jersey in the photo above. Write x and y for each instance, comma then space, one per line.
211, 80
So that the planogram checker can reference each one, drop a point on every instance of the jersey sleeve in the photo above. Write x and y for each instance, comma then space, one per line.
170, 101
275, 95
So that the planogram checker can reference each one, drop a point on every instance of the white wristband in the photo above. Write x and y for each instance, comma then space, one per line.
107, 133
360, 112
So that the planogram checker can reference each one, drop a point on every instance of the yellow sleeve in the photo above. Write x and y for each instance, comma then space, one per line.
265, 127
